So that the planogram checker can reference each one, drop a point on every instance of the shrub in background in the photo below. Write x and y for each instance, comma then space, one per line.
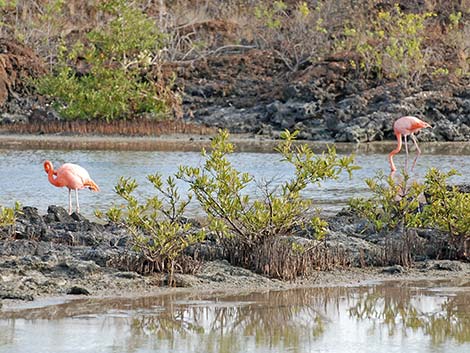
390, 45
447, 208
392, 203
8, 217
431, 204
116, 82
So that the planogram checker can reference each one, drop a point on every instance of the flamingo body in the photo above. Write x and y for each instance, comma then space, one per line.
406, 126
71, 176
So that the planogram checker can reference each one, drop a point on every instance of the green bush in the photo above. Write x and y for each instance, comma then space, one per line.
390, 45
8, 217
245, 225
457, 41
118, 84
447, 208
255, 233
159, 231
392, 204
432, 204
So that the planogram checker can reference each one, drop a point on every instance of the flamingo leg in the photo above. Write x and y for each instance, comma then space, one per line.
418, 151
406, 150
76, 197
70, 201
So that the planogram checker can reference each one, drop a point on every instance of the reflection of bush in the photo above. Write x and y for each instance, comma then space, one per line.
296, 319
287, 318
397, 308
234, 323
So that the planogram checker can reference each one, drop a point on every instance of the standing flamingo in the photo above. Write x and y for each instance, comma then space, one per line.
73, 177
405, 126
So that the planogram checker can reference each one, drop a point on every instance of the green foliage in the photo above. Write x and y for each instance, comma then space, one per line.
457, 40
131, 35
8, 216
392, 203
8, 3
272, 15
117, 84
448, 208
432, 204
455, 19
244, 224
252, 231
158, 228
390, 45
297, 33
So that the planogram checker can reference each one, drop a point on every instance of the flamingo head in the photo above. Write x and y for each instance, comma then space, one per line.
48, 166
425, 125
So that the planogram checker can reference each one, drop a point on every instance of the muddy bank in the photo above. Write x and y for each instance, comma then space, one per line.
195, 143
57, 254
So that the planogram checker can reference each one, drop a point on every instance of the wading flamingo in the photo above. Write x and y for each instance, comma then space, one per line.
71, 176
405, 126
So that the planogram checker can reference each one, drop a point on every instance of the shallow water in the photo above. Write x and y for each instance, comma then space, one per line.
390, 317
23, 179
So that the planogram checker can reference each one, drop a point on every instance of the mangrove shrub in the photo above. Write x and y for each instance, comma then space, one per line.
249, 227
393, 202
255, 232
390, 45
447, 208
429, 204
8, 217
115, 81
159, 231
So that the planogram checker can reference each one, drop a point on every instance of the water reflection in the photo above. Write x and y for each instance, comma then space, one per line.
422, 316
407, 308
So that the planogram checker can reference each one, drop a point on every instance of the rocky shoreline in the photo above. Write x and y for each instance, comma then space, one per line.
252, 93
57, 254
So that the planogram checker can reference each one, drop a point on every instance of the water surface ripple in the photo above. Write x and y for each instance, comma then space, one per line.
23, 179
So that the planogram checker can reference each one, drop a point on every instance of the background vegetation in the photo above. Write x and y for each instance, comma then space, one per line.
110, 59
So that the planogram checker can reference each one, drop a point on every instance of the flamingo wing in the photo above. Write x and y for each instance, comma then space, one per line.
73, 176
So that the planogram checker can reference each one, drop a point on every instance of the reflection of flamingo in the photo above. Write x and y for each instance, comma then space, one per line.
73, 177
405, 126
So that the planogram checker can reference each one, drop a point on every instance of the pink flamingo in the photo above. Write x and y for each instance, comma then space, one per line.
405, 126
73, 177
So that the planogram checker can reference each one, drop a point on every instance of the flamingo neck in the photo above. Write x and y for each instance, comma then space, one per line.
394, 152
52, 180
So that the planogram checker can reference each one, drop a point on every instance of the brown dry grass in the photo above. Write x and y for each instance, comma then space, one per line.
119, 127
